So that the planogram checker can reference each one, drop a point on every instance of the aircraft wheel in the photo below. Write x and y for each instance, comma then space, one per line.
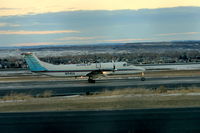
91, 81
143, 79
87, 93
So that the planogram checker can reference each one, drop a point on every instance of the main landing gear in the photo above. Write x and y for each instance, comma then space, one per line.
90, 80
142, 77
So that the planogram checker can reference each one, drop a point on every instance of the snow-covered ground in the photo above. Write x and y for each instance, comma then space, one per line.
56, 53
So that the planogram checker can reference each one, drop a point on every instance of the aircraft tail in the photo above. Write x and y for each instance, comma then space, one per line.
33, 62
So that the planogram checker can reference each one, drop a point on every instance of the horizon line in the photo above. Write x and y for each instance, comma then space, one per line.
99, 43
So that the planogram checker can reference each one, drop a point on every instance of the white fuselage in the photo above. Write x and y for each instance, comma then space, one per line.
84, 69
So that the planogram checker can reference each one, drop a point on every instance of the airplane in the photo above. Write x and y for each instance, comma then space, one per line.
91, 70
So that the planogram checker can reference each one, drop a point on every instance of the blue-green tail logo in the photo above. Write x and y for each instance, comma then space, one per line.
33, 63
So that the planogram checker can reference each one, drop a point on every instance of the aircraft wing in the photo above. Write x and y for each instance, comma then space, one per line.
98, 73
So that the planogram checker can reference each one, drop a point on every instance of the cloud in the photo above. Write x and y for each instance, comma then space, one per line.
22, 7
2, 24
9, 25
36, 44
23, 32
9, 8
174, 34
77, 38
127, 40
114, 26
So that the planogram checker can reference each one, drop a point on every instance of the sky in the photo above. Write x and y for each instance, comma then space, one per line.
71, 22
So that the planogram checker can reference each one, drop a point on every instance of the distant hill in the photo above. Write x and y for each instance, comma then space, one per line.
116, 46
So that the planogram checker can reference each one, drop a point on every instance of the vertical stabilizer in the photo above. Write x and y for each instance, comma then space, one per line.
33, 62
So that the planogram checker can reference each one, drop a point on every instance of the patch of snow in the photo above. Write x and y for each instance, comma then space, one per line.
11, 101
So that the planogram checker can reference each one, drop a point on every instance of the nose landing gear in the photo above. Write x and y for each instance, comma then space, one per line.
142, 77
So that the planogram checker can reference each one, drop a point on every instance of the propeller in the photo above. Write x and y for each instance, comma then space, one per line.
114, 68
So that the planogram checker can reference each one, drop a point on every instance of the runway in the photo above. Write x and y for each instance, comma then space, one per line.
71, 87
177, 120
